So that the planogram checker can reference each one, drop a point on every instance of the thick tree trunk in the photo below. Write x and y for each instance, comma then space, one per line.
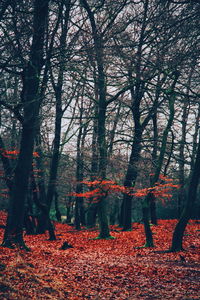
177, 238
31, 103
92, 215
103, 219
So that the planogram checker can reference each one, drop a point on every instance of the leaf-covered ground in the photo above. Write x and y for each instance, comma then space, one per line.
102, 269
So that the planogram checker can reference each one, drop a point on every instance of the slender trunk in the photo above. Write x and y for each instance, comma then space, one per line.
195, 137
56, 153
147, 201
113, 131
92, 208
131, 174
137, 92
102, 105
68, 213
41, 201
181, 195
57, 86
58, 214
79, 207
154, 160
6, 165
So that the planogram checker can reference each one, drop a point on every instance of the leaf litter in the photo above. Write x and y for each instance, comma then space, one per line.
102, 269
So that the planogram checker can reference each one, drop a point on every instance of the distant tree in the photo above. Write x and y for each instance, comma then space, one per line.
149, 198
98, 35
64, 10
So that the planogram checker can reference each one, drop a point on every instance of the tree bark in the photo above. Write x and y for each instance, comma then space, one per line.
178, 234
31, 77
150, 198
101, 118
59, 112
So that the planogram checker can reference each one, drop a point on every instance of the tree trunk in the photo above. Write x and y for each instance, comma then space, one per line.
14, 228
57, 86
147, 228
102, 105
154, 161
92, 214
103, 219
40, 201
58, 214
177, 238
92, 208
79, 207
6, 165
153, 213
130, 179
148, 198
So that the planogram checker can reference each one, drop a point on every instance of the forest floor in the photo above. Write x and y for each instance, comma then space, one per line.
102, 269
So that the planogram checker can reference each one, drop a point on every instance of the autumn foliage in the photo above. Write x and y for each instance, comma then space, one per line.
161, 190
12, 154
102, 269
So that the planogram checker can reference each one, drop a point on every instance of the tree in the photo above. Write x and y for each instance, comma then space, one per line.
58, 86
155, 177
97, 37
162, 190
82, 132
186, 214
31, 103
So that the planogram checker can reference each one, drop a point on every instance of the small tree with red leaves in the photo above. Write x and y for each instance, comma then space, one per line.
162, 189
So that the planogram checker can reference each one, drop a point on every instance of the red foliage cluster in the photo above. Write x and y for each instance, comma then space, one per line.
161, 190
12, 154
102, 269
